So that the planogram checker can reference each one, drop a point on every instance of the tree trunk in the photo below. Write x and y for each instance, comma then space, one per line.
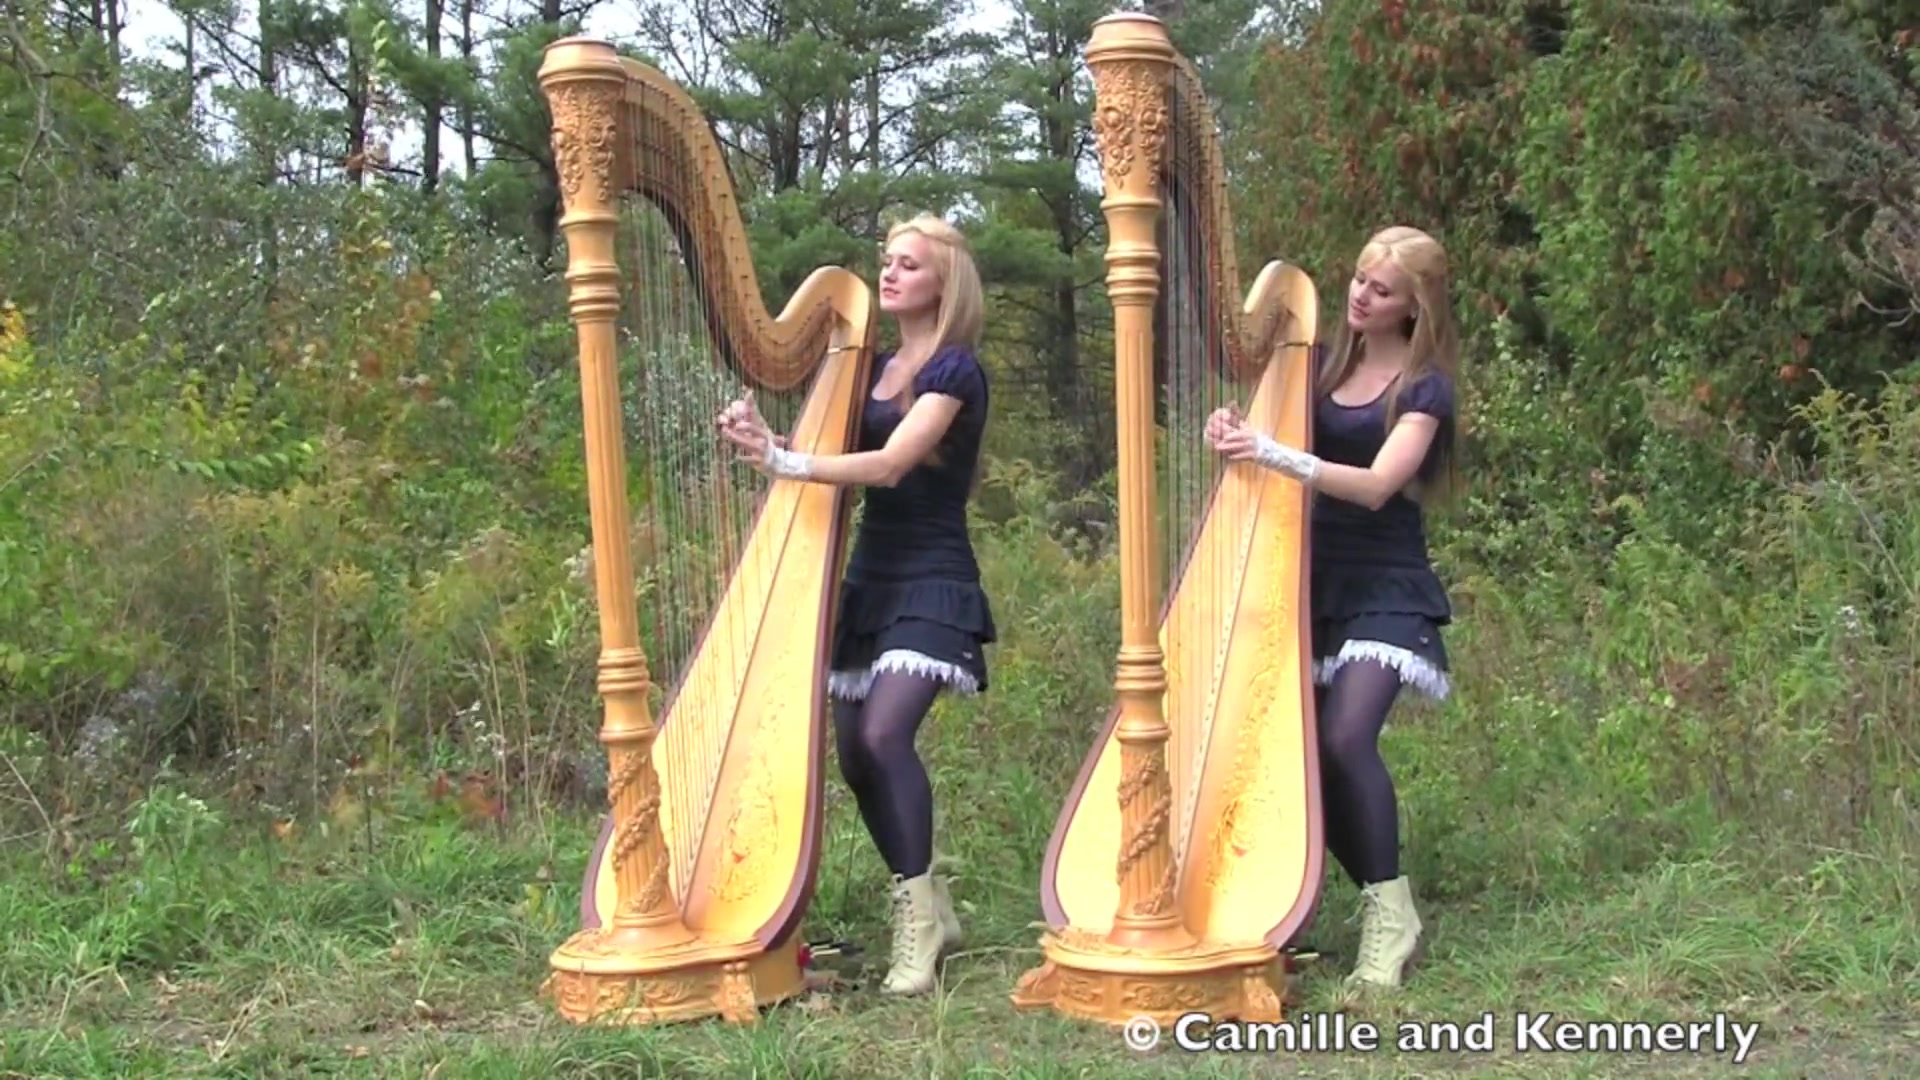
430, 148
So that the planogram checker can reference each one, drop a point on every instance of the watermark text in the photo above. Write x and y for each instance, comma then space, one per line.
1524, 1033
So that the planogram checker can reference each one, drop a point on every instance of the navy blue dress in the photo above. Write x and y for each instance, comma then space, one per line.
912, 600
1375, 594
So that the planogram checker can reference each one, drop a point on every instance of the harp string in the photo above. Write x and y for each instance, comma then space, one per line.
1201, 569
1177, 356
659, 408
698, 505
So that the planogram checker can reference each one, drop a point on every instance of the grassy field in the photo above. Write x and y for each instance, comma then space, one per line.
411, 944
1596, 824
1674, 783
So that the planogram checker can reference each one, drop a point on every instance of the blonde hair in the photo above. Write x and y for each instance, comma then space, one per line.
963, 303
963, 300
1430, 329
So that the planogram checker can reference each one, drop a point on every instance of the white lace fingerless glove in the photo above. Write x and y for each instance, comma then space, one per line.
788, 464
1298, 464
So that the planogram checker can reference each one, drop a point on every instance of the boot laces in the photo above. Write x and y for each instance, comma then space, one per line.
1373, 929
902, 940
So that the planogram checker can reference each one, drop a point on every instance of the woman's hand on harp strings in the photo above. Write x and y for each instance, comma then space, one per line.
1222, 422
1230, 435
743, 426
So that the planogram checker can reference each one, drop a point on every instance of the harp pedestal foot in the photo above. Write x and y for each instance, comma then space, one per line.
595, 980
1089, 978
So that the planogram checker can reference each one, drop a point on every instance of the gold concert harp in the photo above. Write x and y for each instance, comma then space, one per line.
1188, 851
694, 894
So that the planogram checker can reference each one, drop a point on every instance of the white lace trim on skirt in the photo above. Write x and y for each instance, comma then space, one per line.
1415, 670
854, 685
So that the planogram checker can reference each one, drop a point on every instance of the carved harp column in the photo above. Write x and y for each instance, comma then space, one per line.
1198, 753
585, 98
1130, 125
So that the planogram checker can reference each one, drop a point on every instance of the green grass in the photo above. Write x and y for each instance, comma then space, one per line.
238, 954
1671, 785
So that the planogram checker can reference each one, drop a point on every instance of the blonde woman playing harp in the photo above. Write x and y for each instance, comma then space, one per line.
913, 618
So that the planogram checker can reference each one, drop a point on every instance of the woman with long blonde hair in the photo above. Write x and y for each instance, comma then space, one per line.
914, 619
1383, 433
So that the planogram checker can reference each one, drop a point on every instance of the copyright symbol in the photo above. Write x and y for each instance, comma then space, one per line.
1142, 1033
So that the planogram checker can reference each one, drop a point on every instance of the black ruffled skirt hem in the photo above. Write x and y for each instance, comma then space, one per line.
931, 627
1388, 615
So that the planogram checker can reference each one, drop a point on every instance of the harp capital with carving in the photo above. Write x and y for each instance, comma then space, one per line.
1130, 57
584, 83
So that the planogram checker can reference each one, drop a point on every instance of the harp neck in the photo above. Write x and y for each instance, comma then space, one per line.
621, 126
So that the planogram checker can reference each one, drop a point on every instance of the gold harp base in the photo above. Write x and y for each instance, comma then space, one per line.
596, 980
1087, 977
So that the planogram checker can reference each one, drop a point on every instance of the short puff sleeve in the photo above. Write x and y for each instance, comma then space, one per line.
1432, 395
955, 372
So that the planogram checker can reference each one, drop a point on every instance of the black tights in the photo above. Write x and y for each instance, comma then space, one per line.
875, 740
1362, 826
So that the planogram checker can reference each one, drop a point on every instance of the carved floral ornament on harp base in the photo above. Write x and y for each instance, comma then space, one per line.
692, 899
1165, 893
